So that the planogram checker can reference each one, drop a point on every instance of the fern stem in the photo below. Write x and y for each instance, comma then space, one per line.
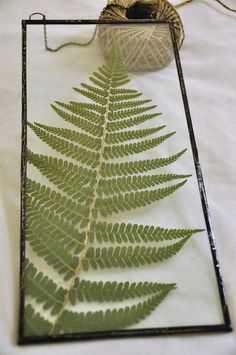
92, 206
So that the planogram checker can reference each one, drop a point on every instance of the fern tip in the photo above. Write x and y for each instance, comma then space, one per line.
198, 230
173, 286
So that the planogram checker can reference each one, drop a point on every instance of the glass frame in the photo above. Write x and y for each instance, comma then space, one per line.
226, 326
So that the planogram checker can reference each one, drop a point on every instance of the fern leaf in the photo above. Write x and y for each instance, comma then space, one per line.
113, 138
127, 104
122, 150
93, 90
130, 122
66, 148
120, 233
92, 291
99, 83
46, 222
79, 122
59, 204
80, 138
123, 91
134, 183
128, 96
123, 257
103, 78
128, 201
65, 175
139, 166
85, 113
62, 223
122, 114
111, 319
34, 323
66, 167
43, 289
100, 109
118, 83
46, 291
92, 96
49, 249
105, 70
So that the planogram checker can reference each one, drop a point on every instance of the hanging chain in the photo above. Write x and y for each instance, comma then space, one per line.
45, 36
80, 44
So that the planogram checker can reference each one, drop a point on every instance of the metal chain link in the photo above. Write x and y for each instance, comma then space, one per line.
81, 44
45, 36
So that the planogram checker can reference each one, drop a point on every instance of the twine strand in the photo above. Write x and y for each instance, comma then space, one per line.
218, 1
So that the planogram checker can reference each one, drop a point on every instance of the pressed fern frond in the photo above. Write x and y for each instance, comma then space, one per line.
135, 167
93, 291
83, 139
133, 121
122, 150
135, 233
60, 204
81, 123
66, 223
132, 200
134, 183
45, 291
111, 319
123, 257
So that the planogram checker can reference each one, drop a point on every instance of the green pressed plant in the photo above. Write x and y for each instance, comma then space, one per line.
94, 178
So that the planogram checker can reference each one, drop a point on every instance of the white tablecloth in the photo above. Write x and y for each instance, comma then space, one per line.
208, 59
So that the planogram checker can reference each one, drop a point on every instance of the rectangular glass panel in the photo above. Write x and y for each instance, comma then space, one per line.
115, 231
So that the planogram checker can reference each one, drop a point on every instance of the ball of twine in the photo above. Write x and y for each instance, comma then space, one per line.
143, 47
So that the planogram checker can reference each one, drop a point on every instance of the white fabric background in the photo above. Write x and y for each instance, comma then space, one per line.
209, 68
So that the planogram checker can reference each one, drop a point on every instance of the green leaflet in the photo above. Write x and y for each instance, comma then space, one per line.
134, 183
122, 150
111, 319
133, 121
45, 291
46, 222
85, 290
83, 139
113, 138
47, 198
55, 255
69, 177
66, 148
65, 218
135, 167
123, 257
132, 200
135, 233
34, 323
81, 123
90, 115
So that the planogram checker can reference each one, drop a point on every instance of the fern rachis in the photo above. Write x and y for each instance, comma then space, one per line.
66, 225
